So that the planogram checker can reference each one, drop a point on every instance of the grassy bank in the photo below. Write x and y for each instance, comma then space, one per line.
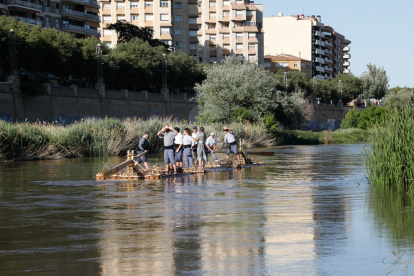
390, 159
105, 137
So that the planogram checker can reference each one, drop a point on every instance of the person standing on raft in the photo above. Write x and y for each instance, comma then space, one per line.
230, 139
188, 144
143, 147
178, 147
168, 136
211, 145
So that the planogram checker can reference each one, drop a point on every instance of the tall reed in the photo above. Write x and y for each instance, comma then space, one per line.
390, 158
103, 137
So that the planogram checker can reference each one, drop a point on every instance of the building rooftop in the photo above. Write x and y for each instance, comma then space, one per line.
284, 57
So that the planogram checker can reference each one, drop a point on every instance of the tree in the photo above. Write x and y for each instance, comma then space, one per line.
297, 82
127, 31
232, 87
375, 82
351, 86
399, 97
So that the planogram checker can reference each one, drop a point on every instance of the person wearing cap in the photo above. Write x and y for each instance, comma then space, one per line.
168, 136
188, 145
178, 147
211, 145
195, 137
201, 154
230, 139
143, 148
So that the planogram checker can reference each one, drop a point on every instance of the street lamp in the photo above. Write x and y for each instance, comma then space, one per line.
13, 52
285, 80
340, 89
99, 69
164, 71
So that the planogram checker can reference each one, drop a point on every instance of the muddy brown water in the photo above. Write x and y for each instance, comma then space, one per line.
309, 211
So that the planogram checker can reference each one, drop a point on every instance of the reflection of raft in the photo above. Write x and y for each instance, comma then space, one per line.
126, 170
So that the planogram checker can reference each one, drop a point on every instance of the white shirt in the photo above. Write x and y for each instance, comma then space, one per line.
195, 135
178, 139
229, 137
211, 142
188, 140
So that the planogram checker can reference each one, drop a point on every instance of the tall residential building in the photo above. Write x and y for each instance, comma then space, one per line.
79, 17
208, 30
308, 38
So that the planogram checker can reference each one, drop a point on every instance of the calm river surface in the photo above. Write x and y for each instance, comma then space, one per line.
309, 211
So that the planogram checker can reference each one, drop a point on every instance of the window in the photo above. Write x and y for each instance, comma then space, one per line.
120, 5
134, 4
212, 4
107, 32
226, 14
192, 33
212, 37
250, 23
179, 44
249, 13
163, 4
239, 13
303, 65
308, 66
295, 65
165, 30
268, 64
239, 46
239, 35
178, 18
121, 18
107, 19
149, 17
285, 64
213, 59
134, 17
239, 1
252, 35
278, 64
226, 36
226, 3
252, 57
149, 4
165, 17
252, 46
178, 31
178, 5
212, 15
109, 44
193, 46
106, 6
192, 20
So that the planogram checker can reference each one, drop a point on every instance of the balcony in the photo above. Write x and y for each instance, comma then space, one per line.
317, 33
319, 51
320, 69
24, 5
346, 71
319, 42
85, 2
226, 52
347, 63
320, 60
79, 29
328, 60
347, 49
80, 14
328, 69
320, 77
28, 20
224, 30
347, 56
328, 44
347, 41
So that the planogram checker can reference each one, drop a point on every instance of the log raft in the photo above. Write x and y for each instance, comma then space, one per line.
126, 171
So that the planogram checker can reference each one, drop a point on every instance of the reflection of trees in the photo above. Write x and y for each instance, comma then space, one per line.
393, 214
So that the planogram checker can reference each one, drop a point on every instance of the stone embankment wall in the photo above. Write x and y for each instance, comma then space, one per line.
67, 104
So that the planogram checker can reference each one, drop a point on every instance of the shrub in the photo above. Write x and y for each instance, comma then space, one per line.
351, 119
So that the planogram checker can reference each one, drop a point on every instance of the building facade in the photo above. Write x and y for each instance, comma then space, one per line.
208, 30
310, 39
287, 63
80, 17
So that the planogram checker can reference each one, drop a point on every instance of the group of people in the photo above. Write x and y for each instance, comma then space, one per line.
187, 146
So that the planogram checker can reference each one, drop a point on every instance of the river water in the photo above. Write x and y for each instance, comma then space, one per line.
309, 211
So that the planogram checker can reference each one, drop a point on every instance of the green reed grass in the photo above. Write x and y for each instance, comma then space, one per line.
390, 158
103, 137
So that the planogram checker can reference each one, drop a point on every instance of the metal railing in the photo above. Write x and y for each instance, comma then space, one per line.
24, 4
89, 2
29, 20
81, 14
80, 29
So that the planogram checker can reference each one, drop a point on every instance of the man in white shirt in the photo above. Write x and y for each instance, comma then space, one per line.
195, 136
230, 139
178, 147
211, 144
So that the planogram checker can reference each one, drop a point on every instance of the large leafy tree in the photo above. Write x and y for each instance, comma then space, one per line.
375, 82
399, 98
351, 86
127, 31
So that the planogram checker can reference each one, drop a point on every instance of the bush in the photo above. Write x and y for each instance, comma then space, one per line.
366, 119
351, 119
390, 159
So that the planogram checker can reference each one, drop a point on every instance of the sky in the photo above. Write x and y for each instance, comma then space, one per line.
382, 32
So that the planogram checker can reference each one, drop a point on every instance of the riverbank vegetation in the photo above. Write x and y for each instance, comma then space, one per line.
389, 160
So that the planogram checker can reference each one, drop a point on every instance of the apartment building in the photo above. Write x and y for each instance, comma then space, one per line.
208, 30
287, 63
308, 38
80, 17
